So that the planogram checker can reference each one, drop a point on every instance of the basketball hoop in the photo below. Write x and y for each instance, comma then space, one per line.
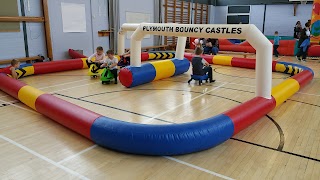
303, 2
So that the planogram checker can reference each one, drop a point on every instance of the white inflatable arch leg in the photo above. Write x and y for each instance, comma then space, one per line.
181, 45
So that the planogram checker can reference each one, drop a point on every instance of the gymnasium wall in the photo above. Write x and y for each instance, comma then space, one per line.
35, 31
100, 22
256, 16
278, 17
220, 15
137, 6
86, 41
212, 15
12, 43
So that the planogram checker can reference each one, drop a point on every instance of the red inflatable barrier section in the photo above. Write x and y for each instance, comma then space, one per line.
10, 87
63, 65
314, 51
67, 114
286, 47
243, 62
303, 78
208, 58
251, 110
74, 54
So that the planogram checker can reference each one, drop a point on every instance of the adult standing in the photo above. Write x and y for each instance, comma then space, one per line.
297, 30
304, 43
307, 28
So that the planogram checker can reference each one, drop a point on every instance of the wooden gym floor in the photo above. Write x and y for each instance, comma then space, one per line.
285, 144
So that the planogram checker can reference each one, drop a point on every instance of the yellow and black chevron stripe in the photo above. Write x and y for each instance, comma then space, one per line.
288, 69
26, 71
161, 55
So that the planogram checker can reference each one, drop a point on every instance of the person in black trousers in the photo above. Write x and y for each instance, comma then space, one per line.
303, 51
200, 66
276, 43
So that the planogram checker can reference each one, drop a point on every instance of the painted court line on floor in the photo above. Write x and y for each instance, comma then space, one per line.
44, 158
279, 58
158, 115
254, 86
32, 134
4, 96
198, 168
73, 87
63, 84
77, 154
239, 84
51, 86
10, 102
5, 102
309, 94
216, 81
13, 101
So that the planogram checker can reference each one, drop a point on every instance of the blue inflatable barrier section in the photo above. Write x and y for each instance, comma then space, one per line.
171, 139
148, 72
141, 75
182, 66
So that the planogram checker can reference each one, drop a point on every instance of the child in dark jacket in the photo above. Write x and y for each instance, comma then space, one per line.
201, 66
303, 45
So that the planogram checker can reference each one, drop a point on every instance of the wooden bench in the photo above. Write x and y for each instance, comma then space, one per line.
8, 61
147, 48
244, 54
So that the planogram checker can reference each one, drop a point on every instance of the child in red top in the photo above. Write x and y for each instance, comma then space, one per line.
11, 70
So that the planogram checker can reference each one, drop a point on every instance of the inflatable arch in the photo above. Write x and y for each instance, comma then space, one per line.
246, 31
171, 139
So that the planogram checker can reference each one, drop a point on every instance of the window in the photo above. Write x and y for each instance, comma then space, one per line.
238, 15
9, 8
238, 9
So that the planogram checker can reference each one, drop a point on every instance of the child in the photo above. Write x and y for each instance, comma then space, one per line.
208, 47
201, 66
276, 44
211, 46
111, 63
11, 70
99, 55
124, 60
303, 44
94, 67
197, 43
